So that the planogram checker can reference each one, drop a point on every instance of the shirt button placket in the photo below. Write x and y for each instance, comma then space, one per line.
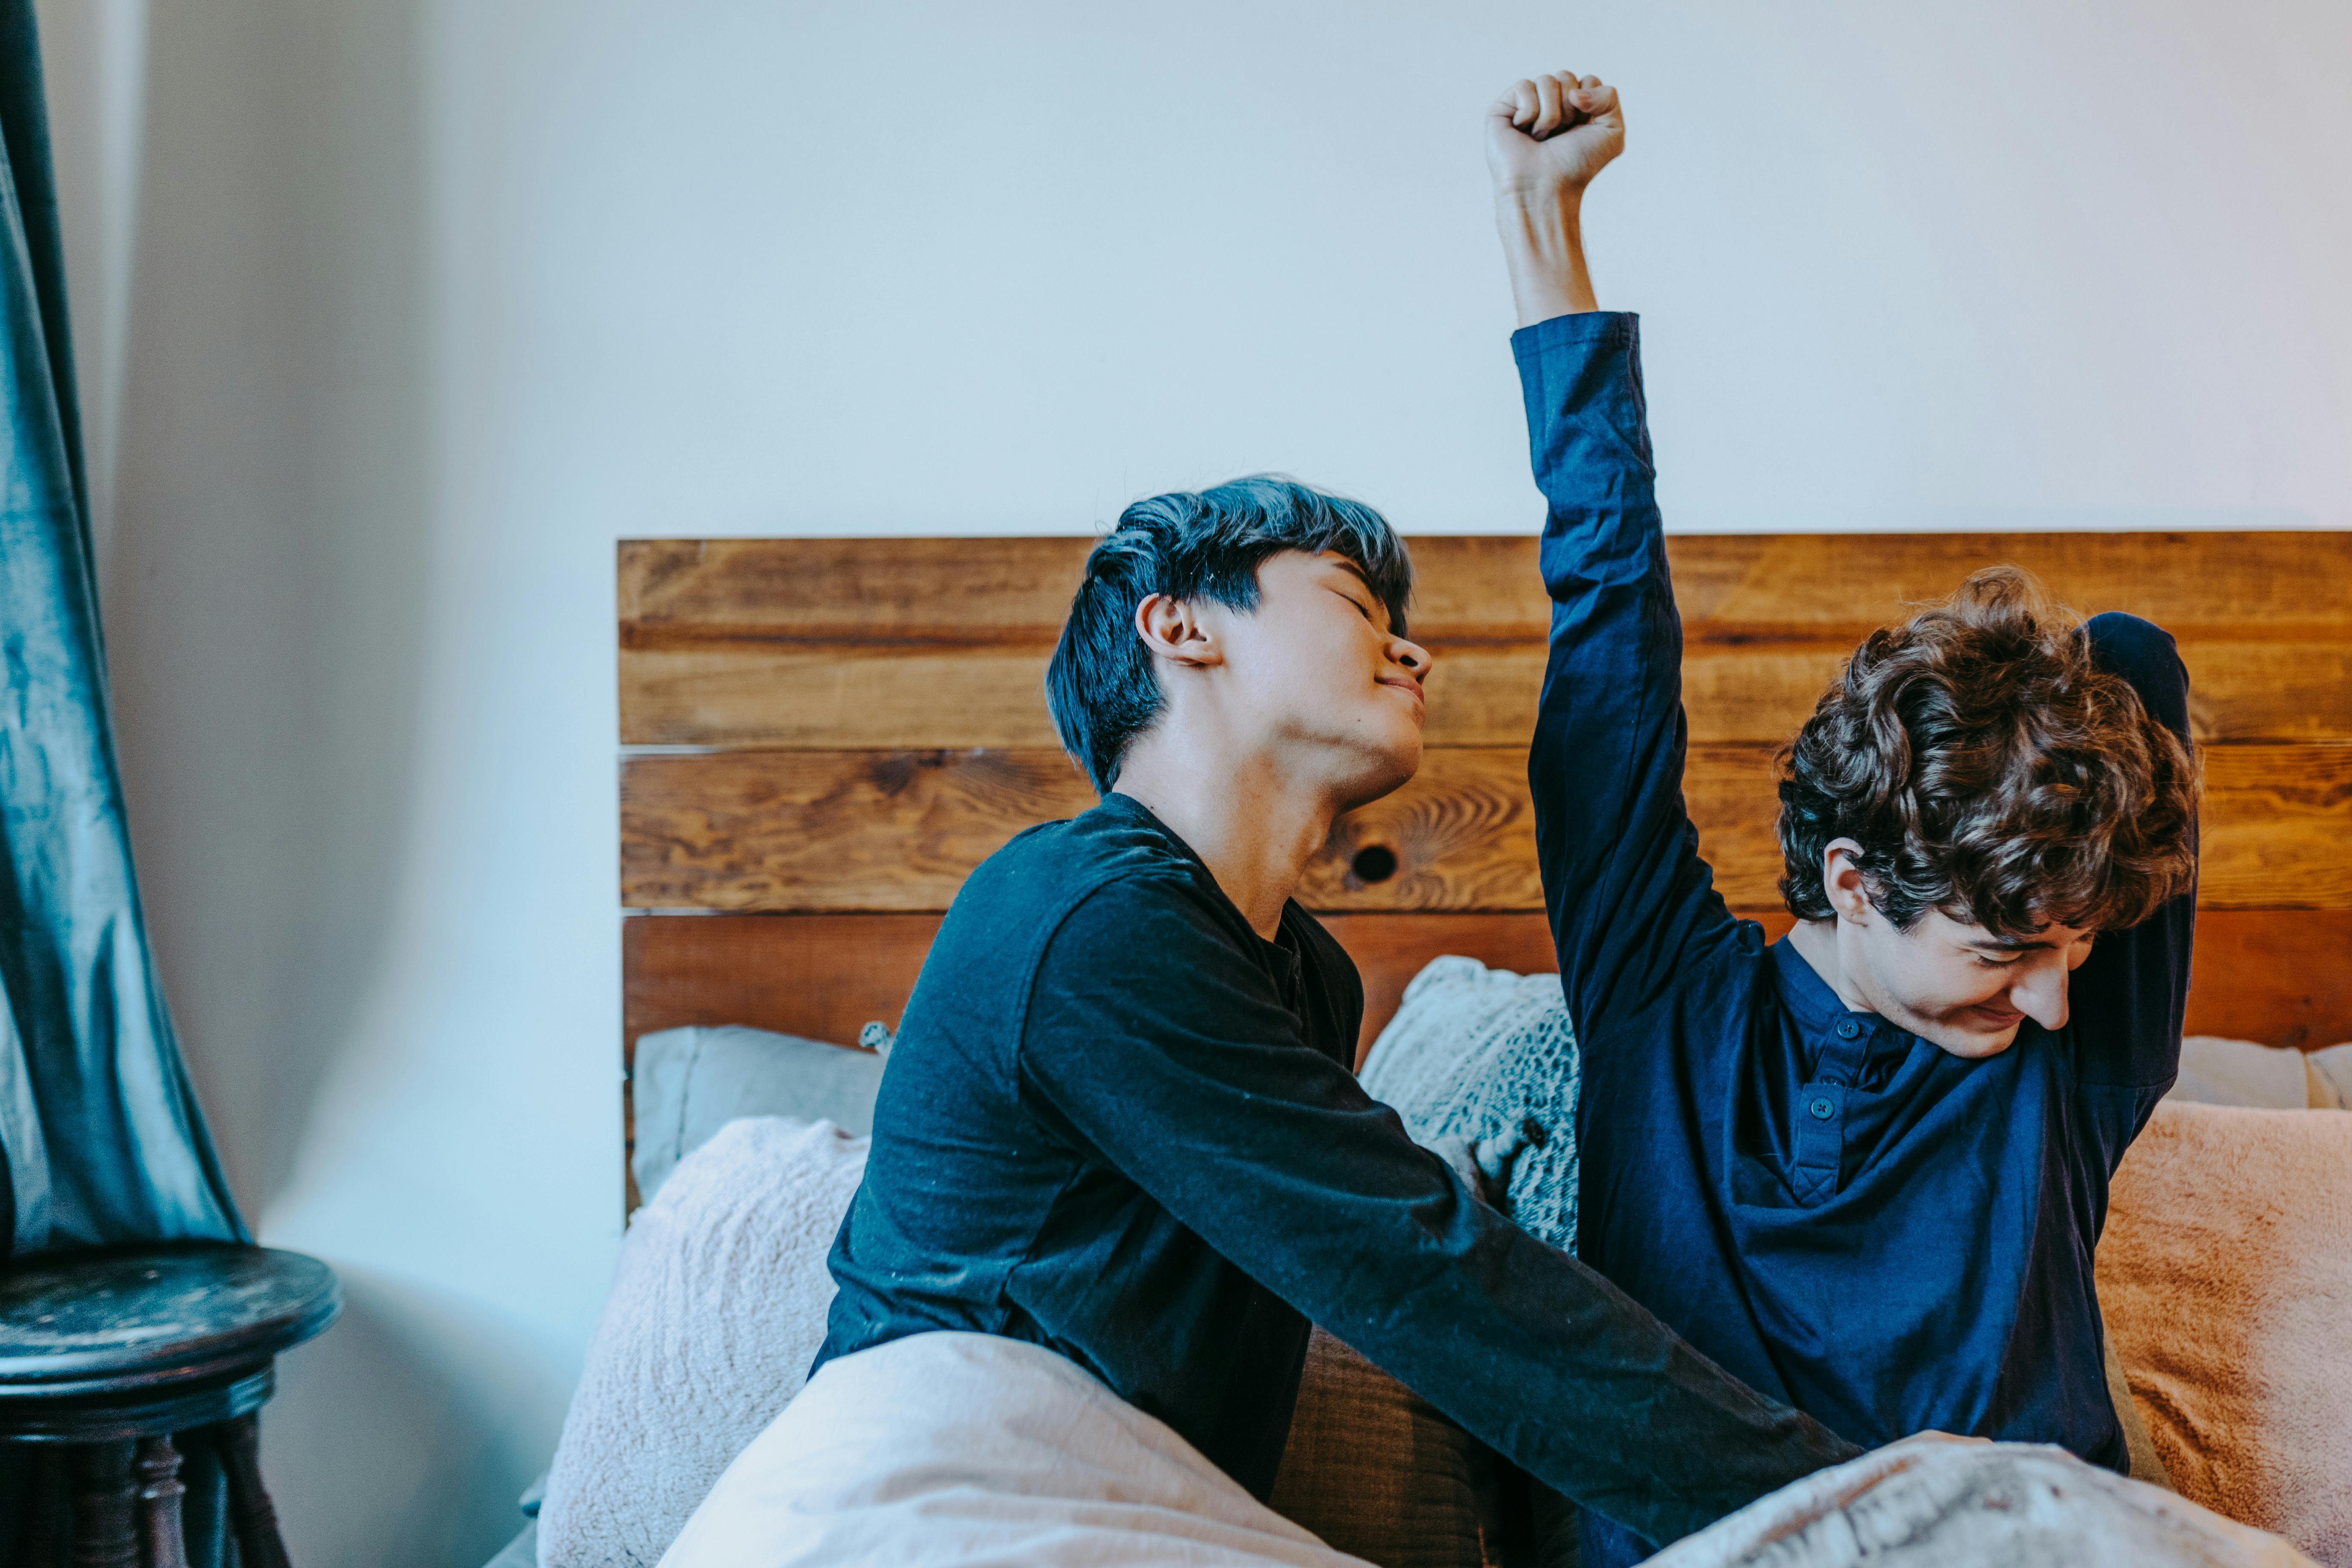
1820, 1134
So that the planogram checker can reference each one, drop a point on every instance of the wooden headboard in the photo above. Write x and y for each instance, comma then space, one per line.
822, 737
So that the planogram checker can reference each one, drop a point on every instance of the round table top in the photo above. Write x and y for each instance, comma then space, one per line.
133, 1317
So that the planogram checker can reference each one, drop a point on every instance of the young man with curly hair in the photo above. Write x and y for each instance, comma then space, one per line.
1863, 1168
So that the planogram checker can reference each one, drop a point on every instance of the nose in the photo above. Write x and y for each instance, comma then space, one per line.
2041, 996
1414, 656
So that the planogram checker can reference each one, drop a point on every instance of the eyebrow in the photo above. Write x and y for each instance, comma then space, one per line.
2013, 943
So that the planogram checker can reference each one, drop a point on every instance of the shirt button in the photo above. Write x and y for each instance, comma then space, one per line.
1848, 1029
1823, 1108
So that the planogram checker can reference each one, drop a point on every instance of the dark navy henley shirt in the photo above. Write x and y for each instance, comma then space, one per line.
1885, 1236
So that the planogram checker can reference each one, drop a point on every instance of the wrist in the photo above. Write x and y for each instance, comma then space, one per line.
1542, 231
1543, 249
1540, 203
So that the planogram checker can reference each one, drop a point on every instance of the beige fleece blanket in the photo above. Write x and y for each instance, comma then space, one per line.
2226, 1276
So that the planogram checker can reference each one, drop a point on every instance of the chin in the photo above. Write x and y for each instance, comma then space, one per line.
1970, 1043
1385, 771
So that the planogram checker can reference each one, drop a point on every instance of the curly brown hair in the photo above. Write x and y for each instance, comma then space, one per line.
1991, 771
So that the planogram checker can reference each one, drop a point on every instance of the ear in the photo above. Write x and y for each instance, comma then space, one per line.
1174, 629
1843, 881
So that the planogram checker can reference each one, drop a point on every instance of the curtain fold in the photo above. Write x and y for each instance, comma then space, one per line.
100, 1129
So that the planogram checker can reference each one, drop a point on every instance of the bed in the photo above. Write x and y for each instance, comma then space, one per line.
822, 737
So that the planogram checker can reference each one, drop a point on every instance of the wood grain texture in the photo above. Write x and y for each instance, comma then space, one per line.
2240, 691
828, 830
1476, 587
1391, 949
841, 831
824, 977
876, 643
2277, 827
2280, 976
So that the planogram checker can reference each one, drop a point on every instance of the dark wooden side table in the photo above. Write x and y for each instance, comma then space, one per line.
105, 1355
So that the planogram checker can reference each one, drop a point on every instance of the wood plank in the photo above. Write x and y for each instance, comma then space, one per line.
2277, 824
1479, 694
685, 591
838, 831
846, 643
823, 977
1482, 587
2282, 977
1391, 949
2239, 691
2290, 583
828, 830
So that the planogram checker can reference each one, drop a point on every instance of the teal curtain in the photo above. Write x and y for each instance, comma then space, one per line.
102, 1139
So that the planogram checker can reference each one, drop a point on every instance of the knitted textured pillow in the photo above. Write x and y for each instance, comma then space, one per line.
1485, 1060
717, 1309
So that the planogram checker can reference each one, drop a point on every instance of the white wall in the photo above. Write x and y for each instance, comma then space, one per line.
397, 313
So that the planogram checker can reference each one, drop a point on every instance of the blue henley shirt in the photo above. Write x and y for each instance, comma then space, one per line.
1843, 1215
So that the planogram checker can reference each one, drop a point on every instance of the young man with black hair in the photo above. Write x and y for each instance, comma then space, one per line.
1120, 1121
1863, 1168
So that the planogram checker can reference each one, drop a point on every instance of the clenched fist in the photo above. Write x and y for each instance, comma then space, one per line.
1547, 137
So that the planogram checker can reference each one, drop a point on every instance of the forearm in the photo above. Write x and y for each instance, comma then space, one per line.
1278, 1161
1542, 232
2131, 995
1531, 1350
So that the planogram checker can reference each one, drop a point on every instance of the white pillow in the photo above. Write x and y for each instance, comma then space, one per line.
688, 1083
717, 1309
2331, 1077
2215, 1071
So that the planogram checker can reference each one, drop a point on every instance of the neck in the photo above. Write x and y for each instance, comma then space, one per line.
1816, 942
1253, 829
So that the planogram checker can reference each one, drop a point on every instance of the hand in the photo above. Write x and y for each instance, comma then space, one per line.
1545, 141
1547, 138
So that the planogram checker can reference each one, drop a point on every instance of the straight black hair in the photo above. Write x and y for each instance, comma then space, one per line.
1204, 546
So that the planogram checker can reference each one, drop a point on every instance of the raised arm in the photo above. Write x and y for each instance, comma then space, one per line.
1629, 898
2132, 993
1273, 1154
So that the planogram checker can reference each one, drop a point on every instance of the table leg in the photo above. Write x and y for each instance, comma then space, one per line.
104, 1536
160, 1491
40, 1539
258, 1543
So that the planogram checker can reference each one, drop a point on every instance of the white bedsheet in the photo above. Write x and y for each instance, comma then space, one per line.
968, 1451
1944, 1504
953, 1450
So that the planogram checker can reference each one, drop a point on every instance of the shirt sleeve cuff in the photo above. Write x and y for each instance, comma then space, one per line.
1585, 329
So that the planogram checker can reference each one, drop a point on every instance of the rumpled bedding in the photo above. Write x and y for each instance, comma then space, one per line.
1947, 1504
952, 1450
955, 1450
